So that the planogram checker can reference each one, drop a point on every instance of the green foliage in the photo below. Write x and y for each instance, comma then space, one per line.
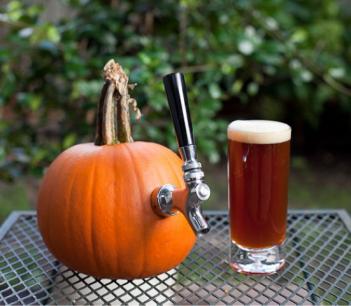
276, 57
13, 196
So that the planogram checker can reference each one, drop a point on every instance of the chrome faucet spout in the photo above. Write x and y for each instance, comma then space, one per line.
189, 199
198, 221
198, 191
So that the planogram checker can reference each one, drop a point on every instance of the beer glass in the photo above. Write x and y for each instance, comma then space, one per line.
258, 170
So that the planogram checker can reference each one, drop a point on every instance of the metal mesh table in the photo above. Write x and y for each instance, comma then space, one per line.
318, 269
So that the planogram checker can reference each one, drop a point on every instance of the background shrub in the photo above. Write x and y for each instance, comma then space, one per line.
274, 59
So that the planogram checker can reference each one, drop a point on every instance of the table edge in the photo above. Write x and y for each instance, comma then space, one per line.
343, 214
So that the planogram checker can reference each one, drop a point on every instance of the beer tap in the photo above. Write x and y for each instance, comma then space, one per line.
167, 198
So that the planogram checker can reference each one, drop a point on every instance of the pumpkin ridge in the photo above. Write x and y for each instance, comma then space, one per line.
48, 212
172, 166
115, 210
150, 151
92, 202
154, 151
99, 260
51, 232
69, 207
131, 156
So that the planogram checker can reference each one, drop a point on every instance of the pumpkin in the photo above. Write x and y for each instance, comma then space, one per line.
94, 205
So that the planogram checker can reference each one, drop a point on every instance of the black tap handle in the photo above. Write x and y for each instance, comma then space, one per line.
178, 103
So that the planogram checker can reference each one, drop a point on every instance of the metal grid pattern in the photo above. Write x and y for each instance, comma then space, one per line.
318, 269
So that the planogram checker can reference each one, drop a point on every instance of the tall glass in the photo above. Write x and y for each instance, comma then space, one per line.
258, 170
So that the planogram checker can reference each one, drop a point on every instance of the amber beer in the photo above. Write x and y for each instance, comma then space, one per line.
258, 169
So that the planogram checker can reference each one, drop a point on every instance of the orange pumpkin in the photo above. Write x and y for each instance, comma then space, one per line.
94, 206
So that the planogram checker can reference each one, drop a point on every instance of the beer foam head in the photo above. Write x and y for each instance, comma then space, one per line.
259, 131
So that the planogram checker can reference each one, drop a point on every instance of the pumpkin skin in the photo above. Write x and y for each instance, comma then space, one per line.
95, 215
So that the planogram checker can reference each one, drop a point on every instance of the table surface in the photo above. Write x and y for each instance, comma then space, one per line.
318, 269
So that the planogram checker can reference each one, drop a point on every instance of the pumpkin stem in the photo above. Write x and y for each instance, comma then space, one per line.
113, 119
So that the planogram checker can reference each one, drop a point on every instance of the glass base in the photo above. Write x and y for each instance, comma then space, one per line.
256, 261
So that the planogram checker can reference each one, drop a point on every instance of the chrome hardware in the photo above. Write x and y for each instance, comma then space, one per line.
163, 206
197, 190
188, 200
203, 191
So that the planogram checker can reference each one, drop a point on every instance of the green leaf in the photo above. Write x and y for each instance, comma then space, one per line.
246, 46
145, 58
34, 102
252, 88
235, 60
300, 35
306, 75
215, 91
53, 34
69, 140
237, 86
82, 88
337, 72
44, 32
14, 10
